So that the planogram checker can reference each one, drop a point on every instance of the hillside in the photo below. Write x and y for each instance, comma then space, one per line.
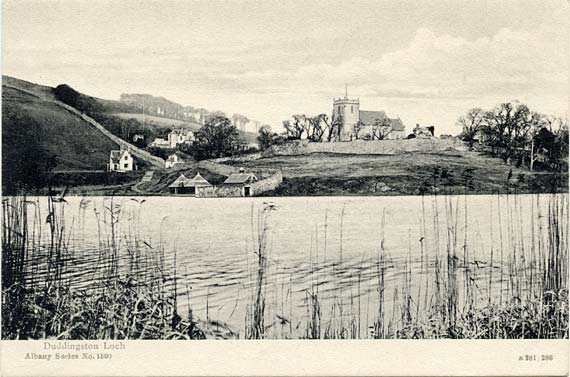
165, 122
75, 143
162, 107
35, 131
404, 174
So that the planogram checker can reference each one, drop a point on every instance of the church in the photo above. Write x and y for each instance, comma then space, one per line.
361, 124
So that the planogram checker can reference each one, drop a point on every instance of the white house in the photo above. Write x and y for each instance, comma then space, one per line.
121, 161
175, 137
172, 161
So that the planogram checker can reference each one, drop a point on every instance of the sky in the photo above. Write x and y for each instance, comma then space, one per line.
425, 62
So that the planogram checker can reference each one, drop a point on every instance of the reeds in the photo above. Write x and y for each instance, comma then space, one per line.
129, 292
446, 285
446, 288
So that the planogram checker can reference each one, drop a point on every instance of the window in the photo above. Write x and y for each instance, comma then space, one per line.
351, 109
339, 109
126, 157
126, 166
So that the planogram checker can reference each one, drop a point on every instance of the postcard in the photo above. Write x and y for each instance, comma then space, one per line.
284, 188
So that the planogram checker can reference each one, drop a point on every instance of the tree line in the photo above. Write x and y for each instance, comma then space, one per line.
515, 133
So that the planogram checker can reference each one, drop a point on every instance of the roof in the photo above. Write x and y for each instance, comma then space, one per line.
179, 182
368, 117
397, 124
116, 155
198, 180
240, 178
182, 181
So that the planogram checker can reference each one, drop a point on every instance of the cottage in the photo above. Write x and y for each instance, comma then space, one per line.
183, 185
243, 180
174, 138
160, 143
121, 161
172, 161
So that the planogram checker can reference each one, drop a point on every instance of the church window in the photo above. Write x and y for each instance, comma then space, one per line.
351, 109
339, 109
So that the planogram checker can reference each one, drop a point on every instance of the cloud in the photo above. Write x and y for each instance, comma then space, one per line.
439, 66
432, 77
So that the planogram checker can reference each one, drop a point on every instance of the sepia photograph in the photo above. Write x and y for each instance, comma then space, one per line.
305, 172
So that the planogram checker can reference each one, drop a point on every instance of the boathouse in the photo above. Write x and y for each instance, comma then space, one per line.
183, 185
241, 181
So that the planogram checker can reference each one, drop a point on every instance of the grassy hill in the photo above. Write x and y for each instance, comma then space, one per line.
76, 144
405, 174
38, 135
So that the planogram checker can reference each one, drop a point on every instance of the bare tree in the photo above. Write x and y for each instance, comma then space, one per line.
381, 128
318, 125
471, 123
335, 128
295, 126
359, 126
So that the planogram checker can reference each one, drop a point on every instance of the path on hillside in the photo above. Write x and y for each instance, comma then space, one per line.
136, 151
146, 178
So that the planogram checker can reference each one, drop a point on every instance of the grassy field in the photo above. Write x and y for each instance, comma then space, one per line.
406, 174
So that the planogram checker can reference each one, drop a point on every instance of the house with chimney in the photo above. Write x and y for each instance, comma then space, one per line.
121, 161
174, 138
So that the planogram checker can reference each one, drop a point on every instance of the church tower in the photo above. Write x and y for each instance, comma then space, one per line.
349, 110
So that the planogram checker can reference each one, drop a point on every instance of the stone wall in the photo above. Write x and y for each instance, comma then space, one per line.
222, 191
385, 147
269, 179
238, 159
267, 184
218, 168
137, 152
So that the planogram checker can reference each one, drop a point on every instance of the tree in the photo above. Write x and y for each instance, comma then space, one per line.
541, 142
240, 121
266, 138
218, 137
359, 126
73, 98
296, 126
506, 128
335, 128
471, 123
381, 128
318, 125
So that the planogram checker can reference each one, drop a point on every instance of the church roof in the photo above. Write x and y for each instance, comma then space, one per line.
368, 117
397, 124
